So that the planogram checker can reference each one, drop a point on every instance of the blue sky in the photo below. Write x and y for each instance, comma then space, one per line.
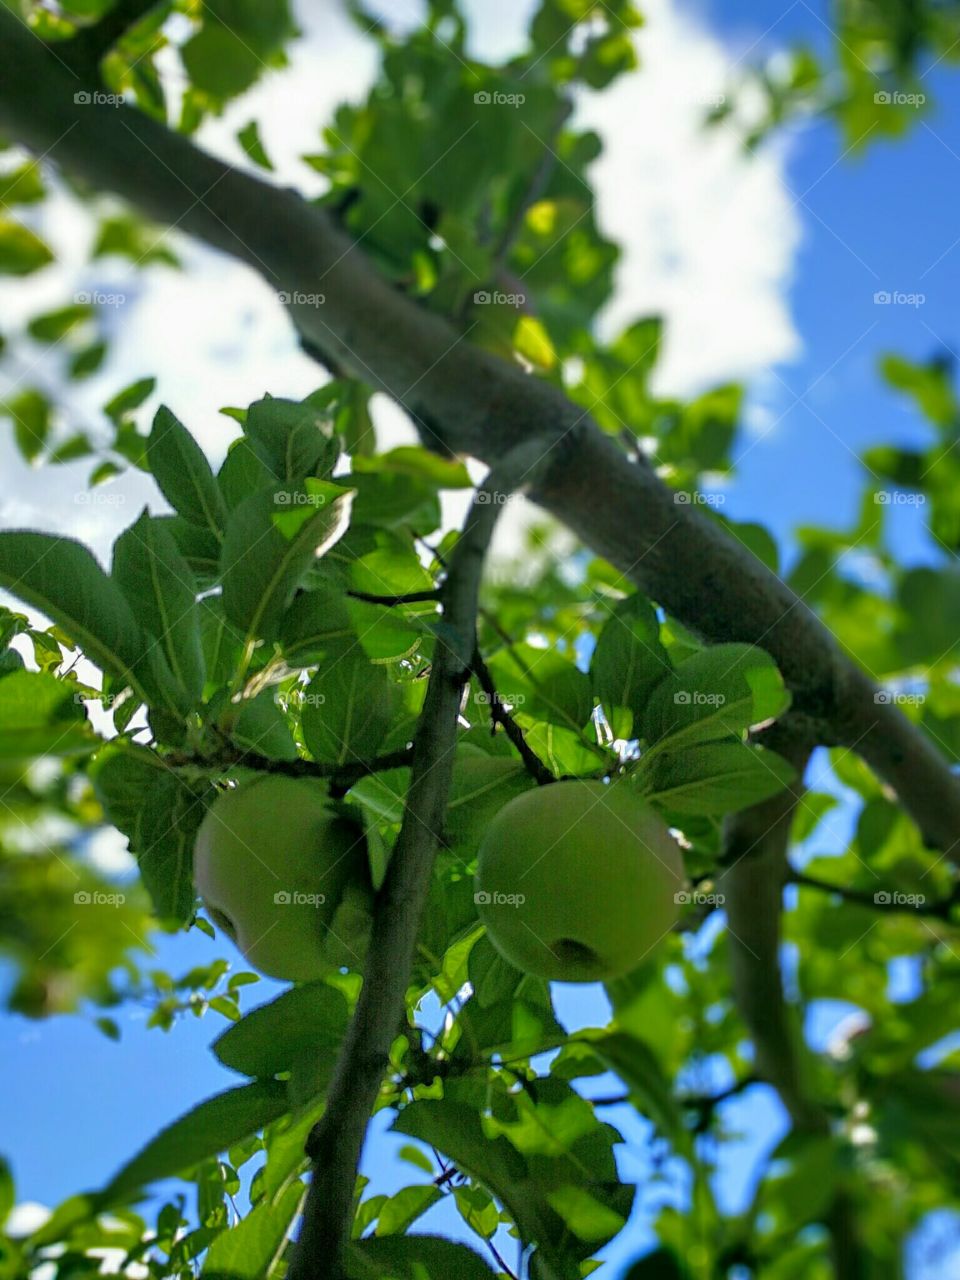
73, 1105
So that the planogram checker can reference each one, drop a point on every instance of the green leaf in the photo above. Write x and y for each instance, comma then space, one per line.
249, 139
242, 473
661, 1264
543, 684
41, 715
21, 252
627, 662
220, 62
31, 413
62, 579
291, 439
414, 1258
272, 540
348, 708
208, 1129
550, 1163
23, 185
402, 1210
249, 1250
183, 473
165, 836
262, 727
720, 778
308, 1018
316, 623
717, 693
87, 361
123, 404
8, 1196
54, 325
160, 587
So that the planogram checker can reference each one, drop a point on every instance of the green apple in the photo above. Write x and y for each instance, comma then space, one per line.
273, 863
577, 881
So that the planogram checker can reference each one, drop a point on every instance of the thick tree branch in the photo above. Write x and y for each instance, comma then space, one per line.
465, 400
755, 857
336, 1142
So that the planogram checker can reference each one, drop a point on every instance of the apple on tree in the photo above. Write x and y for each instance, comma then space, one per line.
577, 881
286, 876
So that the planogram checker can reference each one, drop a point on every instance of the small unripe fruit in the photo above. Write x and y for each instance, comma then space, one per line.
273, 861
577, 881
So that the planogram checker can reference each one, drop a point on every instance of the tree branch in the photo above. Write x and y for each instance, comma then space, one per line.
466, 400
940, 909
755, 860
335, 1144
341, 776
500, 715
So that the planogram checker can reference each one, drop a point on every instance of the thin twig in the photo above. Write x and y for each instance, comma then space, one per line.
941, 909
339, 775
411, 597
500, 715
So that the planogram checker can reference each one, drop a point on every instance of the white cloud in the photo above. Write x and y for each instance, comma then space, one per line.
708, 240
708, 234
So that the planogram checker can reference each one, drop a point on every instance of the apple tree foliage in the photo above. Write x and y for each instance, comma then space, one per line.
278, 611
